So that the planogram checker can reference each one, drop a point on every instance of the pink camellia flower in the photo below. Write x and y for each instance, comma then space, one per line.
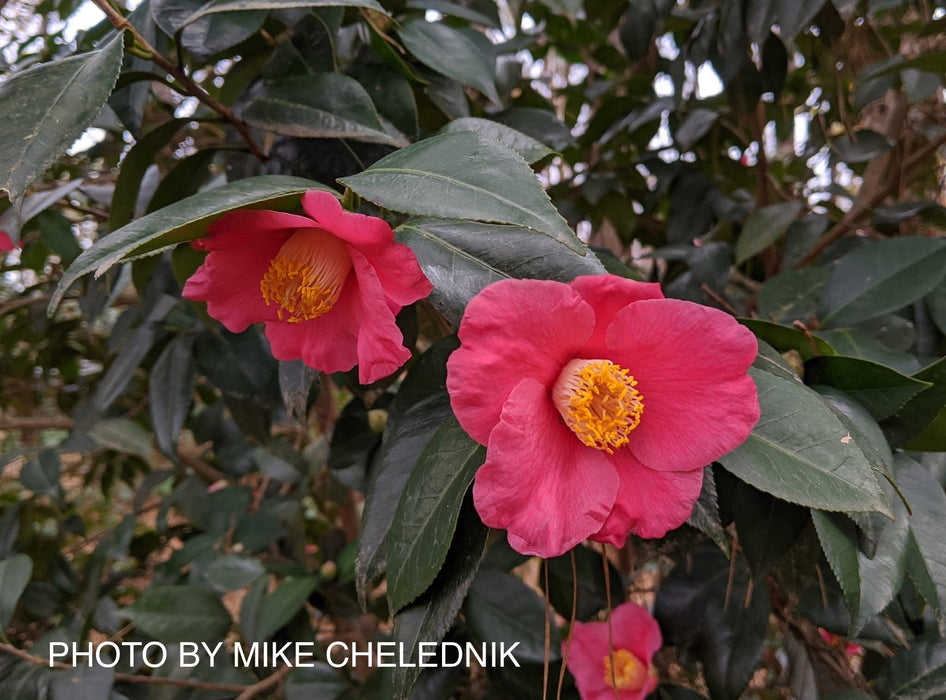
600, 672
600, 402
328, 284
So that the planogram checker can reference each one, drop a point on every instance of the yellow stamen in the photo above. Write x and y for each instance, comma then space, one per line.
598, 401
307, 275
629, 673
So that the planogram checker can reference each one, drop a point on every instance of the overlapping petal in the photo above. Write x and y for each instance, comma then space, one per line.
649, 503
608, 294
537, 482
690, 362
510, 330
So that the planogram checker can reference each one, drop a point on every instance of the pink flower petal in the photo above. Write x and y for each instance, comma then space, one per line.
381, 348
399, 272
359, 230
510, 330
690, 362
229, 279
328, 343
649, 503
539, 482
632, 628
608, 294
245, 226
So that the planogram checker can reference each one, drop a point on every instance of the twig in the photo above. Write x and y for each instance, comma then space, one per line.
119, 22
265, 684
858, 212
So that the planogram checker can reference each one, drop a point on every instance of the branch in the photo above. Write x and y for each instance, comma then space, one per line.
132, 678
866, 207
265, 684
192, 88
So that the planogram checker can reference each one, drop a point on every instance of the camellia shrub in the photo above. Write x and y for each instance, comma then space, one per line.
474, 349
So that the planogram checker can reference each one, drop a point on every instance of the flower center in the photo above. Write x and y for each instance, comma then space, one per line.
306, 276
598, 401
628, 673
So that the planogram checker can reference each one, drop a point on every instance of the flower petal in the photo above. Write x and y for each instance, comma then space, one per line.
359, 230
381, 348
229, 279
539, 481
608, 294
690, 362
243, 227
510, 330
649, 503
399, 272
328, 343
636, 630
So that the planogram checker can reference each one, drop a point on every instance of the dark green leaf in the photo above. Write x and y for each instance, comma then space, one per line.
882, 390
262, 614
321, 681
245, 5
784, 338
180, 613
181, 222
427, 512
926, 499
696, 125
592, 590
460, 258
767, 527
705, 515
792, 295
450, 52
501, 608
880, 277
463, 175
232, 571
15, 573
839, 541
404, 440
800, 452
855, 343
47, 107
917, 673
325, 105
171, 386
531, 150
41, 474
431, 615
862, 427
764, 228
916, 418
82, 683
861, 146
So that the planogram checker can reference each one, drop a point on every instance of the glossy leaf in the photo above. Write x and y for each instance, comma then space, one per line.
450, 52
880, 389
427, 512
15, 573
784, 338
460, 258
880, 277
181, 222
463, 175
792, 295
915, 424
325, 105
171, 385
429, 617
531, 150
179, 614
46, 108
839, 542
245, 5
854, 343
764, 228
501, 608
800, 452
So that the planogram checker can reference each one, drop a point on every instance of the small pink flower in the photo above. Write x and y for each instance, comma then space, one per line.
328, 284
636, 637
850, 648
600, 402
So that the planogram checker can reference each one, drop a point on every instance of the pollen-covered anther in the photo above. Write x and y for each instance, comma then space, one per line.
306, 277
628, 673
599, 402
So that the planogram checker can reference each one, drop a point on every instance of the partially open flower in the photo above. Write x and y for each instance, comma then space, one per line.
601, 671
327, 284
600, 402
